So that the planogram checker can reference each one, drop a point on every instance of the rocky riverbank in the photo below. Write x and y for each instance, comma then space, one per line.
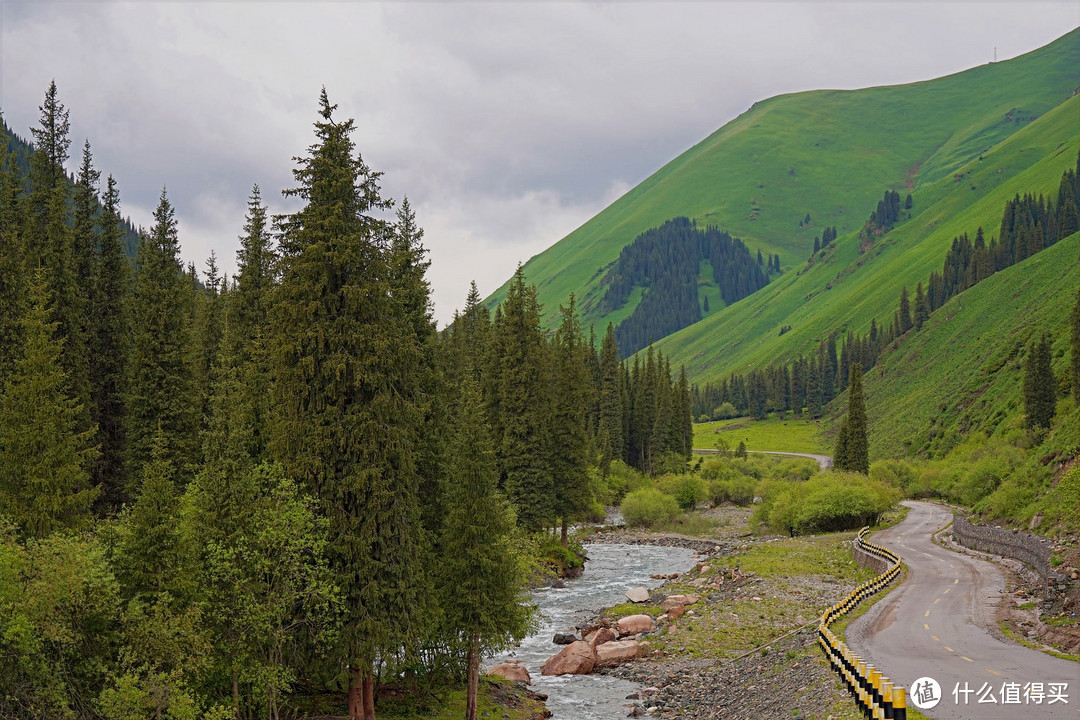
610, 535
746, 648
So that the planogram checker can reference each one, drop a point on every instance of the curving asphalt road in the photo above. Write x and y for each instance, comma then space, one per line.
936, 624
825, 461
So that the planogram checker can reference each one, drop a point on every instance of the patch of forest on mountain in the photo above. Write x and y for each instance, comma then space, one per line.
666, 261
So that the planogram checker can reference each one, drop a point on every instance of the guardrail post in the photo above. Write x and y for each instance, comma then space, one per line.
899, 703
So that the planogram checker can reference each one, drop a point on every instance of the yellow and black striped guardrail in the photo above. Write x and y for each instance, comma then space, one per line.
873, 692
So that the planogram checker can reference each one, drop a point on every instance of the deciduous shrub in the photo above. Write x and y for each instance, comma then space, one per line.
826, 503
736, 488
688, 490
649, 506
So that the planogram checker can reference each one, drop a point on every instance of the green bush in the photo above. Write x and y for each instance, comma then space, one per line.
688, 490
621, 479
737, 489
649, 506
979, 481
724, 411
827, 503
897, 473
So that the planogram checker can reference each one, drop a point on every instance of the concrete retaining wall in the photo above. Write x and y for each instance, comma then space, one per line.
875, 563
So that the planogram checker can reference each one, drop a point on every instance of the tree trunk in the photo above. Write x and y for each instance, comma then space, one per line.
236, 692
564, 531
474, 677
356, 704
369, 695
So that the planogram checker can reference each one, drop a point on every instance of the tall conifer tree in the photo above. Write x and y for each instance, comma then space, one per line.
1040, 397
14, 277
613, 442
853, 448
525, 407
569, 434
348, 398
482, 585
109, 341
905, 312
44, 458
159, 392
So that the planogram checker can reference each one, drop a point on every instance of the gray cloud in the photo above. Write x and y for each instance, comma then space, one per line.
507, 124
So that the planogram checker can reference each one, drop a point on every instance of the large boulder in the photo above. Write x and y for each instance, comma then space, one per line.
601, 636
683, 599
634, 624
512, 671
574, 659
637, 595
616, 653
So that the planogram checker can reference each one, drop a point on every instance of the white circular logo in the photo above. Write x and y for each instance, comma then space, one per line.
925, 693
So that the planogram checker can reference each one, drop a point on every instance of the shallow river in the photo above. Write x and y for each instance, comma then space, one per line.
610, 571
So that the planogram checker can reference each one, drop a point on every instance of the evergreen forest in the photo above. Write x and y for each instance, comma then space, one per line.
285, 492
665, 263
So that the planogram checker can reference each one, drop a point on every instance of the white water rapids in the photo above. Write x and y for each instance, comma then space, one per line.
610, 571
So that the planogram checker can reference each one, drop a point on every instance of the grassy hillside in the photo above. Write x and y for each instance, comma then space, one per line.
963, 372
851, 288
828, 153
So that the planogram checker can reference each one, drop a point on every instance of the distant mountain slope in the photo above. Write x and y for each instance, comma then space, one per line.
964, 370
849, 288
826, 153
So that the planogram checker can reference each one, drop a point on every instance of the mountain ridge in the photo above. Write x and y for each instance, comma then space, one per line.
829, 153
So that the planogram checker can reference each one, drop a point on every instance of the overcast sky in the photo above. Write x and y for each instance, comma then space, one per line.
507, 124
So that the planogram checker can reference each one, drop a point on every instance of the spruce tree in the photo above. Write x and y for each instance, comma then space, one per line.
149, 553
905, 312
14, 277
45, 458
348, 407
482, 584
612, 441
159, 391
569, 433
248, 320
854, 456
474, 332
842, 453
683, 421
922, 307
1068, 219
524, 405
110, 293
813, 390
1040, 397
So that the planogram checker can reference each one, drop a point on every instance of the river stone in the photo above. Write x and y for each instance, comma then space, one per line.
601, 636
616, 653
512, 671
634, 624
574, 659
676, 612
564, 638
637, 595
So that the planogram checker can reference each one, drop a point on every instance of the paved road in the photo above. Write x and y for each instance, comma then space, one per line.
824, 461
935, 624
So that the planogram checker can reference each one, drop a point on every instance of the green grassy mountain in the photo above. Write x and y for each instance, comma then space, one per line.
849, 288
830, 154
